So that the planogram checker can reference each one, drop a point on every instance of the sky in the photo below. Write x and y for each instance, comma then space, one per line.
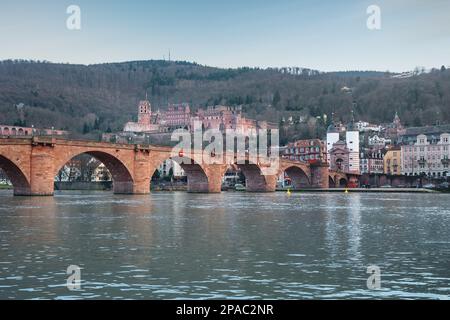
326, 35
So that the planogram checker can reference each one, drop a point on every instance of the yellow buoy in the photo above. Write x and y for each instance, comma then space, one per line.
346, 190
289, 192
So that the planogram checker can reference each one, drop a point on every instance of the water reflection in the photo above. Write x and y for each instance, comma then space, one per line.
228, 245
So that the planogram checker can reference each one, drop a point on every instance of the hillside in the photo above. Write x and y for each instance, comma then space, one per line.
94, 98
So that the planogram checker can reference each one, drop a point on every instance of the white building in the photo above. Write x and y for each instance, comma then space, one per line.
177, 170
376, 141
363, 126
352, 141
427, 156
332, 138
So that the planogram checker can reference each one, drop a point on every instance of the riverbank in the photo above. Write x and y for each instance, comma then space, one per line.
365, 190
5, 187
168, 188
83, 186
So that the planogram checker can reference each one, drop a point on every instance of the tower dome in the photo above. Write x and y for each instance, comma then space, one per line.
332, 129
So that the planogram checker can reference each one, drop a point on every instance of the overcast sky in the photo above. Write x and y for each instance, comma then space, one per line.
327, 35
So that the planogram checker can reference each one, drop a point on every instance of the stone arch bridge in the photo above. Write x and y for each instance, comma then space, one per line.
32, 163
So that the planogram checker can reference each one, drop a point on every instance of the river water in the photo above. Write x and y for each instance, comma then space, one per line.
225, 246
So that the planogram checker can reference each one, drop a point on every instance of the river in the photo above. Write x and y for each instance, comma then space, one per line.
232, 245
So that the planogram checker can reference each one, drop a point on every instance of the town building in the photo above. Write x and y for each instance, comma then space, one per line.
340, 157
171, 169
351, 141
378, 142
372, 161
311, 150
393, 161
427, 153
101, 173
364, 126
232, 176
433, 133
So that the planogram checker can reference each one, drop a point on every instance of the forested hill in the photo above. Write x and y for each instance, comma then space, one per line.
104, 96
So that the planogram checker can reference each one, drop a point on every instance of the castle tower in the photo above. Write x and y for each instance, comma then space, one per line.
144, 112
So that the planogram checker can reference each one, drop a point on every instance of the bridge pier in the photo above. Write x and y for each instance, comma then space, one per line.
204, 179
142, 173
41, 172
320, 176
215, 173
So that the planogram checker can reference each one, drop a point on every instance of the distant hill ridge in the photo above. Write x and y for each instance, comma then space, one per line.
102, 97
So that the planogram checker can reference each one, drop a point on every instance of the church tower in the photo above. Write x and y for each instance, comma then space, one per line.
397, 123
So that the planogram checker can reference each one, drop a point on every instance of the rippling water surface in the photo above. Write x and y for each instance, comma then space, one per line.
228, 245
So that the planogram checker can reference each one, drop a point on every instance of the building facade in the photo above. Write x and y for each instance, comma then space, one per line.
176, 116
393, 161
372, 161
332, 138
340, 157
428, 155
311, 150
377, 141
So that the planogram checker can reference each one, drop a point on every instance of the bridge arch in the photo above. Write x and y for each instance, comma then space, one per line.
298, 176
198, 177
255, 180
123, 182
17, 177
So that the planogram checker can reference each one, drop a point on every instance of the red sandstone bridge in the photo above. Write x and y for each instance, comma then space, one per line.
32, 164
